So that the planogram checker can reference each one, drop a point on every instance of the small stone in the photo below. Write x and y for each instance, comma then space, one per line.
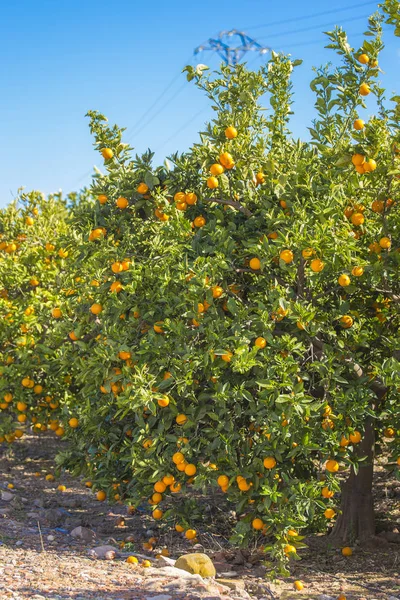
237, 584
325, 597
6, 496
164, 561
230, 574
103, 552
51, 538
19, 543
83, 533
159, 597
197, 564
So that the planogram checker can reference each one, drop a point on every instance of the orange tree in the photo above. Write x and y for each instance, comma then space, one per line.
31, 260
236, 315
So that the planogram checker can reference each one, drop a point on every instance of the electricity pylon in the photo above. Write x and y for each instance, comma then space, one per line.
232, 45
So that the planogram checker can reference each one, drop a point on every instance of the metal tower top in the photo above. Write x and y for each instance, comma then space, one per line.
232, 46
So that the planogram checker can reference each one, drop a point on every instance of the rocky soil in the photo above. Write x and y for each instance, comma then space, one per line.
40, 559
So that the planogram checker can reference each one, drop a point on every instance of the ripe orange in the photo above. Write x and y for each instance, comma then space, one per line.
56, 313
190, 198
217, 291
177, 458
317, 265
107, 153
163, 401
359, 124
287, 256
190, 470
212, 183
74, 423
327, 493
146, 564
179, 528
257, 524
100, 496
180, 197
226, 160
216, 169
168, 479
346, 321
260, 178
102, 198
329, 513
332, 466
122, 202
347, 551
357, 271
227, 356
29, 221
385, 243
181, 419
142, 188
269, 462
358, 160
96, 309
344, 280
370, 165
199, 222
116, 287
157, 327
175, 487
255, 264
190, 534
355, 437
72, 335
132, 560
223, 480
157, 514
62, 488
298, 585
363, 59
231, 132
364, 89
289, 549
307, 253
260, 342
357, 218
389, 432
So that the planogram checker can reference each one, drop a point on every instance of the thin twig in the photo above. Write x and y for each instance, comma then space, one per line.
232, 203
41, 537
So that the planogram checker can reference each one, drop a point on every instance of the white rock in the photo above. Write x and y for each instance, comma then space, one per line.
19, 543
165, 561
173, 572
325, 597
159, 597
6, 496
51, 538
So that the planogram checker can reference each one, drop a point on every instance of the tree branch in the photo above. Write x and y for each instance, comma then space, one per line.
232, 203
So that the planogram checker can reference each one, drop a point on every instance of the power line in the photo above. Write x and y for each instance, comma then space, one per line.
184, 126
310, 16
146, 123
311, 27
160, 96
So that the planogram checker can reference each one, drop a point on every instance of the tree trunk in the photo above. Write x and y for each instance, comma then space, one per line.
356, 520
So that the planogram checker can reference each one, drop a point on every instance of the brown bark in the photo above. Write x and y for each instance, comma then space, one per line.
356, 520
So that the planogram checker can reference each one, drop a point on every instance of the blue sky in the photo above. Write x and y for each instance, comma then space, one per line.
61, 59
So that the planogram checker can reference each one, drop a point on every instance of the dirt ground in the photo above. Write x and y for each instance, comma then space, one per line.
40, 560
